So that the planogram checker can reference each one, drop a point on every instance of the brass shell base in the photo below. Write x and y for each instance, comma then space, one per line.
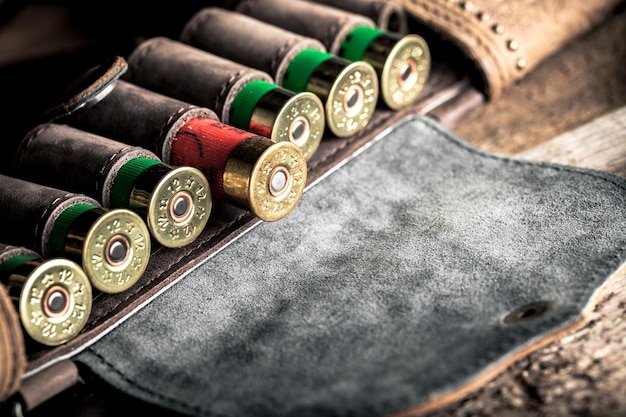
281, 111
251, 175
66, 277
114, 224
190, 186
335, 79
404, 71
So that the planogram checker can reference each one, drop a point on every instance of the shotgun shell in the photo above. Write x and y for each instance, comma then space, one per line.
174, 202
198, 77
185, 135
401, 62
112, 246
279, 114
349, 90
249, 171
53, 296
133, 114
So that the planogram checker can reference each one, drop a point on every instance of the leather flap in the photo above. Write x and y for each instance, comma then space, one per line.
419, 267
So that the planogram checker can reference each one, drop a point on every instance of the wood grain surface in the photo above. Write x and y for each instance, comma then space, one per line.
599, 144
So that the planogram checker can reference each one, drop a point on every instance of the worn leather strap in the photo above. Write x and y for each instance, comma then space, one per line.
12, 349
190, 74
388, 14
272, 51
328, 24
507, 39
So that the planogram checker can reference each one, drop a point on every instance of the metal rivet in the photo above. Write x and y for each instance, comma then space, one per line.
497, 28
467, 5
527, 312
512, 44
521, 63
482, 16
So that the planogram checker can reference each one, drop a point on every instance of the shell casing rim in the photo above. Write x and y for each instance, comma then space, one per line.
84, 294
138, 234
290, 111
389, 85
335, 94
297, 169
162, 231
246, 181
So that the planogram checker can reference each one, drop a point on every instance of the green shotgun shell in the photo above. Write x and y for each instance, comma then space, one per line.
53, 296
112, 246
349, 90
175, 201
280, 114
401, 62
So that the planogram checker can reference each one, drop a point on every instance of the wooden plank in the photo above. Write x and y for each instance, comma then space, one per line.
599, 144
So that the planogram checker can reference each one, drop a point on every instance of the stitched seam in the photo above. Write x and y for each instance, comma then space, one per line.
101, 177
168, 122
225, 88
440, 11
276, 60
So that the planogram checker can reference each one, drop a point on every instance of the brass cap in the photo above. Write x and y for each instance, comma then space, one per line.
352, 98
55, 301
116, 250
405, 71
293, 117
266, 177
179, 207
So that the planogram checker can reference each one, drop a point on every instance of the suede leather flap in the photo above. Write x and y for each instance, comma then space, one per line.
390, 283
